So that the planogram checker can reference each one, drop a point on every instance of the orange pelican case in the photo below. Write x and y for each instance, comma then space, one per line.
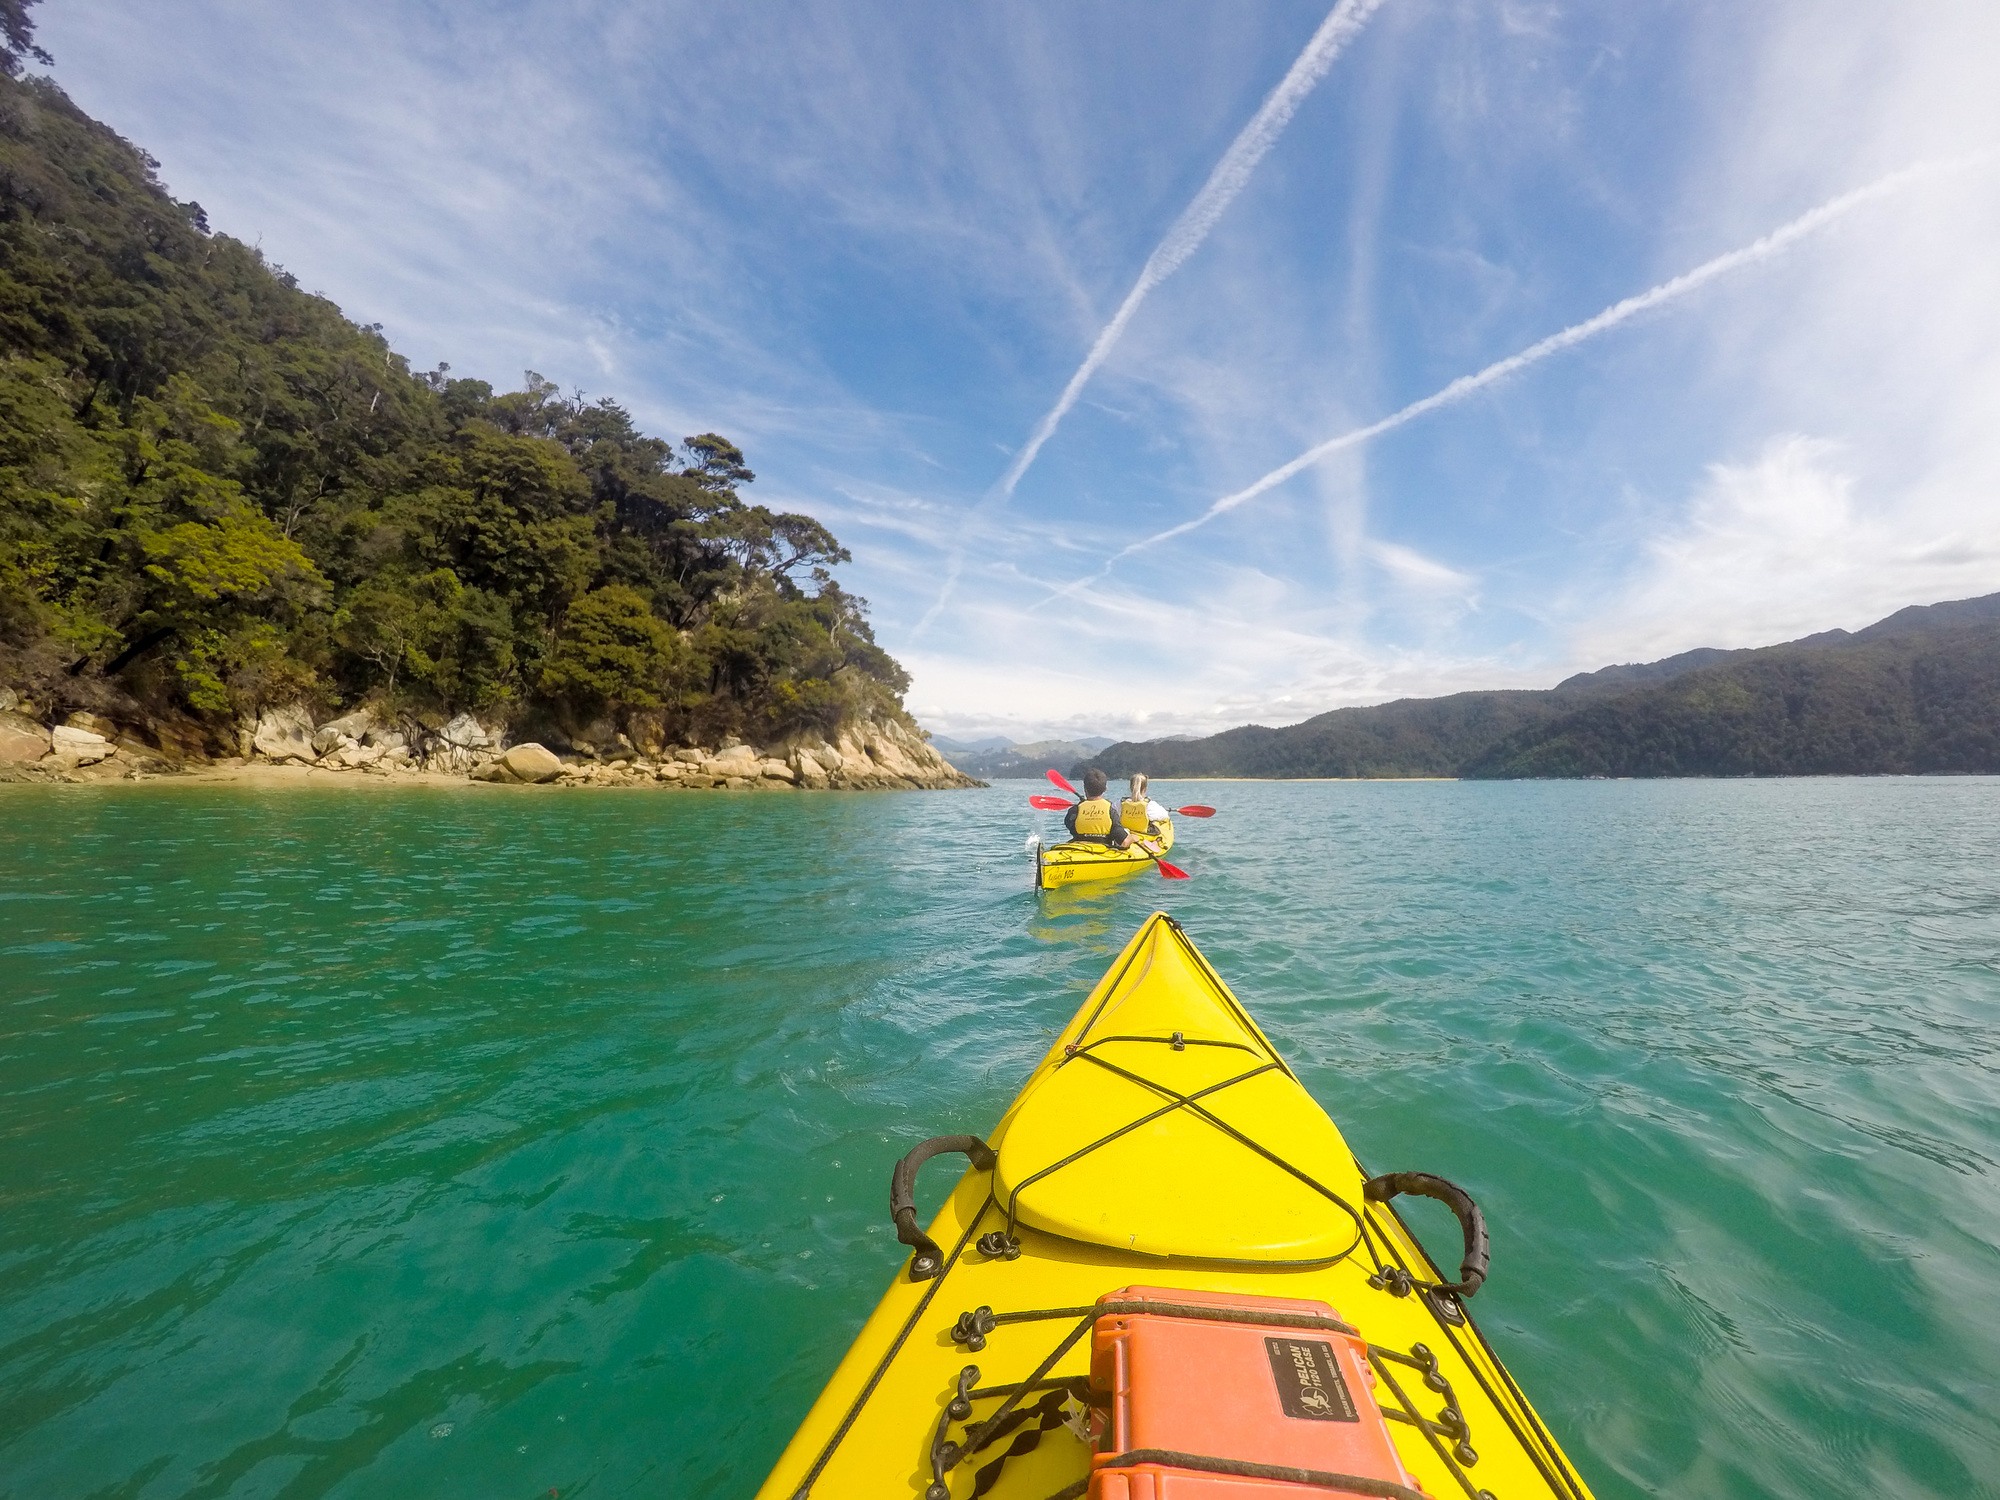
1259, 1394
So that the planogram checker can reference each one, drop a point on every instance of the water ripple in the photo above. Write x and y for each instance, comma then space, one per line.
433, 1144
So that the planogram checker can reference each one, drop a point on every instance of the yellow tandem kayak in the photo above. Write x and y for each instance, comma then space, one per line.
1064, 864
1166, 1277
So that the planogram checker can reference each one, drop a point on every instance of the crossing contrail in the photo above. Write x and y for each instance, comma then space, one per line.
1183, 237
1757, 250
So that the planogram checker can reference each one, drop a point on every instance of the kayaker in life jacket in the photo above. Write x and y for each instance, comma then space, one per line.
1139, 812
1092, 821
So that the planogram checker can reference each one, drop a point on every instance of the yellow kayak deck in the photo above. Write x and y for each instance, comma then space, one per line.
1077, 859
1162, 1141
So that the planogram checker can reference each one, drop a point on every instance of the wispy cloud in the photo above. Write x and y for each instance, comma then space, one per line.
1779, 547
1183, 237
1421, 575
1619, 312
836, 234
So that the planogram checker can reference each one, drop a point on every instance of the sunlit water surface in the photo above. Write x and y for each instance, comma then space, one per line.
497, 1143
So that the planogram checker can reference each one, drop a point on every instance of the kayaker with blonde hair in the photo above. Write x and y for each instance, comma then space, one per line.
1092, 821
1139, 812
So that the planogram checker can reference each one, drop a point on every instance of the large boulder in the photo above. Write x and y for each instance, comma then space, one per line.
734, 761
97, 724
365, 727
354, 725
532, 762
806, 766
345, 732
143, 750
22, 740
468, 731
850, 747
822, 755
463, 744
284, 734
80, 747
892, 758
858, 769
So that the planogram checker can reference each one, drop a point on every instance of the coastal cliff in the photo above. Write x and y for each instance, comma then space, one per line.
236, 527
872, 755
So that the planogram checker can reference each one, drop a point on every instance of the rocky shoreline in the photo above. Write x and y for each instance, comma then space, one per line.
868, 756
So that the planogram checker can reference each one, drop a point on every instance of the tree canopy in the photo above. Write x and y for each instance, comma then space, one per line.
17, 37
217, 492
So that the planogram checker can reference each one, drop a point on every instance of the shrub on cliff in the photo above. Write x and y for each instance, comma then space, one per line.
611, 649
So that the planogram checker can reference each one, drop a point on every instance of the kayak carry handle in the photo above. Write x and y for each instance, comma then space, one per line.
928, 1261
1478, 1254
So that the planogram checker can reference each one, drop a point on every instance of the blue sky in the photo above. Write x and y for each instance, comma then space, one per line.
874, 243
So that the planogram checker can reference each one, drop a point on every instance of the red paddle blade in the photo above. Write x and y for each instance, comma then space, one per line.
1057, 778
1053, 804
1171, 872
1197, 811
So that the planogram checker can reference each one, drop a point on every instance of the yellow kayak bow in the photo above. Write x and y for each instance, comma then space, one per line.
1161, 1143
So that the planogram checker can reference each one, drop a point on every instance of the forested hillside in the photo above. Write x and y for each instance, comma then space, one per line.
1410, 737
1917, 692
217, 493
1904, 704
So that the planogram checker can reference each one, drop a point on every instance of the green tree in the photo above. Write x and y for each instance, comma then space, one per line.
716, 464
17, 37
431, 639
612, 651
401, 625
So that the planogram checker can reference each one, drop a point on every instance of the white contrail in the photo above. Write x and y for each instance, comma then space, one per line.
1619, 312
1183, 237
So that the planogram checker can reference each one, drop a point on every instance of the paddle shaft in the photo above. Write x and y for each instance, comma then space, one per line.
1057, 804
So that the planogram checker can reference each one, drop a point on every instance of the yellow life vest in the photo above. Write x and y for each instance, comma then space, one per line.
1093, 818
1132, 813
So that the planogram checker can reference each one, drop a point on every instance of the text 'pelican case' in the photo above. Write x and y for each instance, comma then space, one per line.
1204, 1406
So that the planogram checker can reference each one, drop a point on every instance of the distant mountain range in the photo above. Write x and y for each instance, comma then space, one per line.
997, 756
1917, 692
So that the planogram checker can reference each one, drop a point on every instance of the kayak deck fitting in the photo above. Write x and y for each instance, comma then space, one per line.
1163, 1163
1066, 863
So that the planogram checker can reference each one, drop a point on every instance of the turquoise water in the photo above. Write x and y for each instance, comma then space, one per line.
508, 1143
